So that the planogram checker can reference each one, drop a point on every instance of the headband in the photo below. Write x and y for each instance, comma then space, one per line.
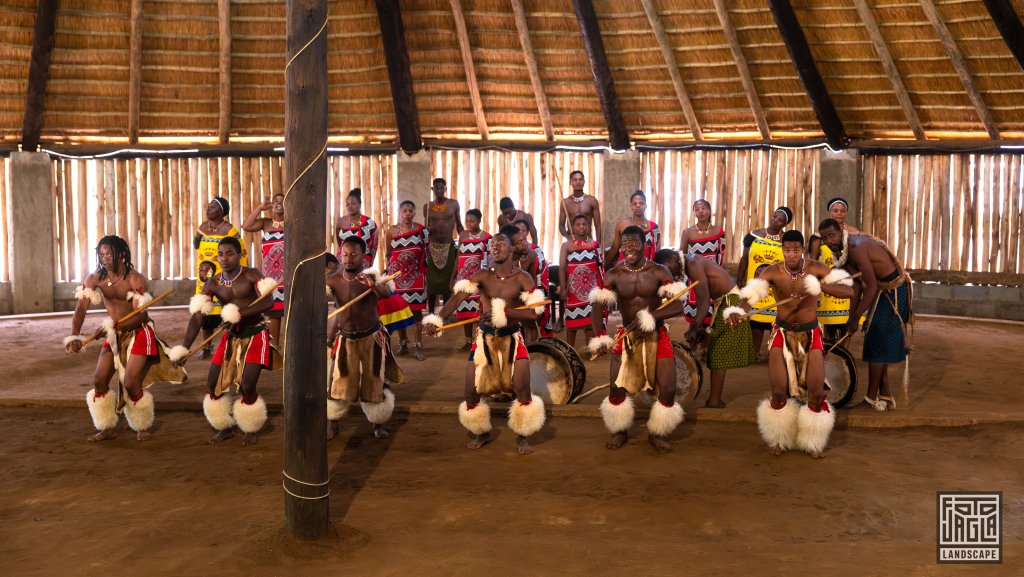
785, 210
836, 201
223, 205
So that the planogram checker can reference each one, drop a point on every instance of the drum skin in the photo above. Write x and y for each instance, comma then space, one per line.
689, 376
557, 373
840, 376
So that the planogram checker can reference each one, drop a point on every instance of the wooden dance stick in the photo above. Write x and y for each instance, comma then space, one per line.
632, 325
127, 316
784, 301
837, 343
385, 280
221, 329
475, 319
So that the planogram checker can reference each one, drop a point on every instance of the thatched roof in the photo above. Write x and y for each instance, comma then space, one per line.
88, 91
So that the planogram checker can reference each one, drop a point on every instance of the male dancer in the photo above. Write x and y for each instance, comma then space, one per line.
510, 215
443, 220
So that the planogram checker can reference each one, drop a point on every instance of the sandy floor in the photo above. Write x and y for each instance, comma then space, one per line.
420, 504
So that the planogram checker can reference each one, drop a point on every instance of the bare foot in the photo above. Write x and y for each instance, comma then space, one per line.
419, 352
715, 405
659, 443
249, 439
523, 446
773, 450
380, 432
222, 435
617, 440
102, 435
332, 429
403, 349
144, 435
817, 454
479, 441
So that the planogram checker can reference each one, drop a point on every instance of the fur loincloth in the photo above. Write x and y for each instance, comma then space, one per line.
361, 365
160, 370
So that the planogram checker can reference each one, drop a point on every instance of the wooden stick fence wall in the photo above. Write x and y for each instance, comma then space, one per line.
5, 219
743, 187
950, 212
158, 203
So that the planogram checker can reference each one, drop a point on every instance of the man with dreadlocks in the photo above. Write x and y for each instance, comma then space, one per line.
131, 348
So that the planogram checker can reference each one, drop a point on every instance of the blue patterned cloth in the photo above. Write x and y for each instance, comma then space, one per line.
883, 342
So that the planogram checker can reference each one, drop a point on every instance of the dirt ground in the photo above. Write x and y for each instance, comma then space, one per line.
421, 504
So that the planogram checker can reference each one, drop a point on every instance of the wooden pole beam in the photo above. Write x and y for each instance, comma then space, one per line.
531, 65
407, 116
618, 136
224, 116
673, 68
1006, 20
803, 60
744, 69
882, 49
135, 72
38, 74
306, 476
960, 64
467, 63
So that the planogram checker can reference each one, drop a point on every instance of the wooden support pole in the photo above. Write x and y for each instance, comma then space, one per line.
673, 68
744, 69
407, 115
531, 65
224, 117
1006, 20
306, 476
882, 49
618, 136
467, 63
960, 64
38, 74
803, 60
135, 72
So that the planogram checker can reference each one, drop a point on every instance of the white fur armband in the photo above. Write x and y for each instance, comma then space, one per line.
466, 286
231, 313
378, 277
141, 299
534, 297
670, 290
597, 343
498, 318
645, 321
729, 311
70, 339
177, 353
755, 291
812, 285
602, 296
266, 285
200, 304
93, 295
838, 276
433, 320
108, 326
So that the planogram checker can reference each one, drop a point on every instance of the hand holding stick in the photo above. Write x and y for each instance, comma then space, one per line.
632, 326
784, 301
222, 328
385, 280
441, 329
126, 317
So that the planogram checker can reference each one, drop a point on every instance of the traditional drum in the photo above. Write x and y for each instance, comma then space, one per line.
689, 376
840, 376
557, 373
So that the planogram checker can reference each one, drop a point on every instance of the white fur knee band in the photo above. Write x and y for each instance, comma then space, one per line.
218, 411
498, 317
230, 313
813, 429
755, 291
336, 410
379, 413
101, 409
141, 413
645, 321
526, 420
617, 418
663, 420
250, 418
200, 304
476, 420
466, 286
94, 296
602, 296
778, 426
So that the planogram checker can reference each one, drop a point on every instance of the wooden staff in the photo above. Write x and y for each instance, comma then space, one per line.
221, 328
475, 319
386, 280
127, 316
632, 325
786, 300
837, 343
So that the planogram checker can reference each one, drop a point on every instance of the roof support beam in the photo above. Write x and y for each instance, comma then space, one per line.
673, 69
960, 64
618, 136
467, 63
38, 74
744, 69
1009, 25
224, 114
531, 65
407, 116
890, 68
800, 53
135, 71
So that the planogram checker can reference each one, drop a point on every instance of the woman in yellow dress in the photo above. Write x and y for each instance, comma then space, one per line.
205, 241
